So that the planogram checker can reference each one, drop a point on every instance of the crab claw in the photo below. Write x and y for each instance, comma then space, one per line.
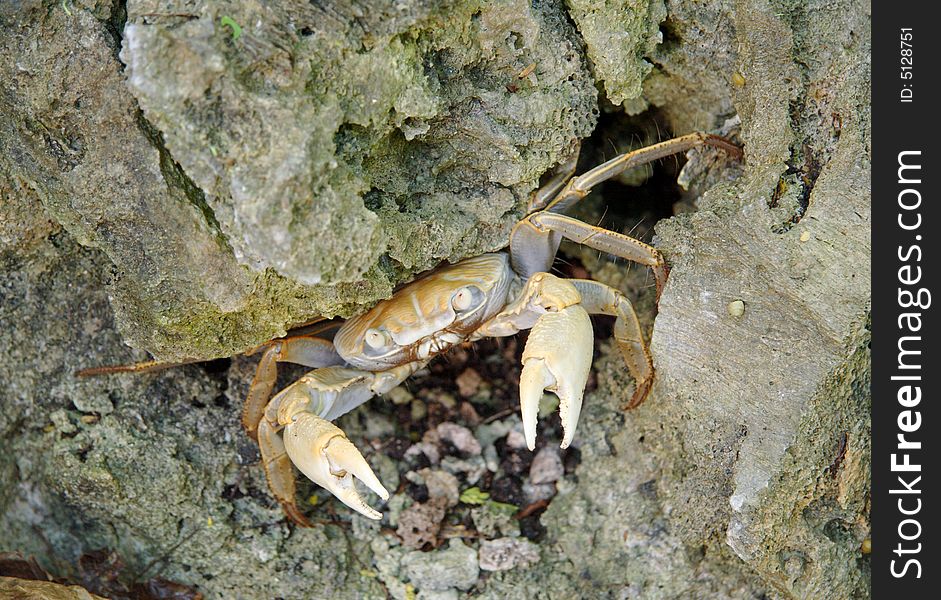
557, 358
323, 453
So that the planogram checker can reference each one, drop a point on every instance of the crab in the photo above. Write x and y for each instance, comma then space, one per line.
492, 295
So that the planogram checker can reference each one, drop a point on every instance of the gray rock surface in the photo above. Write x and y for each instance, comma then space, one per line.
507, 553
452, 567
791, 240
192, 187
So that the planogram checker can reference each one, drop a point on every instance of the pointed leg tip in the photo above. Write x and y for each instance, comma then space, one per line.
294, 514
640, 394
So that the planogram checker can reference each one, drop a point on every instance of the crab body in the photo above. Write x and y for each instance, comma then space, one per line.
428, 316
492, 295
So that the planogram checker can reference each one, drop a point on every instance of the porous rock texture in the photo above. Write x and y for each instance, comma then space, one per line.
246, 178
192, 178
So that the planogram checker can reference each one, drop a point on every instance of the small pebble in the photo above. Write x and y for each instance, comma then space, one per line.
491, 459
394, 507
738, 80
488, 433
420, 523
736, 308
447, 401
805, 236
536, 492
469, 414
515, 439
378, 426
795, 565
468, 382
400, 395
472, 468
516, 461
491, 522
506, 553
547, 466
429, 451
419, 410
440, 484
460, 437
454, 567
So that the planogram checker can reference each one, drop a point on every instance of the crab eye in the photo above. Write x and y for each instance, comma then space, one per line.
376, 339
462, 299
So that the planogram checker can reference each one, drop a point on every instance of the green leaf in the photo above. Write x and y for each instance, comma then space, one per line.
228, 21
474, 496
502, 507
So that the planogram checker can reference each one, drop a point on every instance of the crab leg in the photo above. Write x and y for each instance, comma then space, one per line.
579, 187
536, 238
278, 471
598, 298
301, 413
305, 350
544, 195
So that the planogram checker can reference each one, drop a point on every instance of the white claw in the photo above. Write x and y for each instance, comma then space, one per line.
533, 380
344, 456
557, 358
322, 452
